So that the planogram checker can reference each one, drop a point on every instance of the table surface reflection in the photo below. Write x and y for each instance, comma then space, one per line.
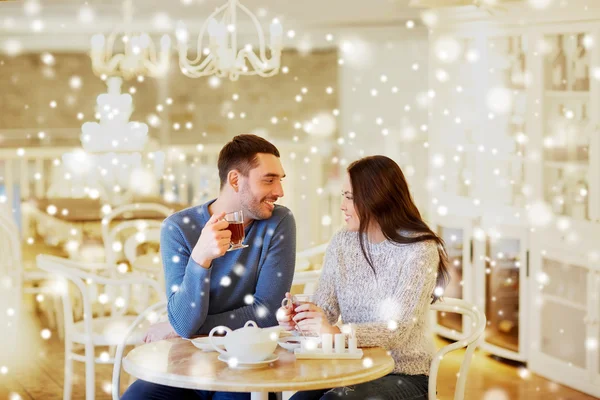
178, 363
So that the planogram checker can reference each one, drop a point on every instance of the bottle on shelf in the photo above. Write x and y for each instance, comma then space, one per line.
517, 63
555, 147
558, 193
559, 67
582, 142
579, 199
581, 67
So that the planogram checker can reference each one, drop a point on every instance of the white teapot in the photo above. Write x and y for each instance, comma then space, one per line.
247, 344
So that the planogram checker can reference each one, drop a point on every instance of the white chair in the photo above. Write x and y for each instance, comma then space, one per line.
148, 262
91, 331
471, 341
304, 275
136, 231
30, 280
11, 281
152, 314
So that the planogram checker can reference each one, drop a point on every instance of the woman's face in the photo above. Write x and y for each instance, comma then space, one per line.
350, 215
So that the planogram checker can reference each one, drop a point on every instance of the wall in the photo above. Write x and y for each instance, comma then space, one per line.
28, 87
383, 61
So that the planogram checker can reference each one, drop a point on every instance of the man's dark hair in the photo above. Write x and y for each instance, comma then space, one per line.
240, 153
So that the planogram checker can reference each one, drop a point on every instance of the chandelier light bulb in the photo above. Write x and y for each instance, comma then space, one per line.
181, 32
144, 40
97, 41
165, 42
213, 27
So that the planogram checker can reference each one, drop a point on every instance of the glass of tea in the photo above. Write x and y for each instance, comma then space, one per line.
236, 227
297, 301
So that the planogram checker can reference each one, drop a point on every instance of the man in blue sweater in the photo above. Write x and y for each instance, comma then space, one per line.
208, 286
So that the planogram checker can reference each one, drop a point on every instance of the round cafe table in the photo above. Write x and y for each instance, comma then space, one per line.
178, 363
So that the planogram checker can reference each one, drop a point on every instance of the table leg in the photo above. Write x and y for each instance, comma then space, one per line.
259, 396
286, 395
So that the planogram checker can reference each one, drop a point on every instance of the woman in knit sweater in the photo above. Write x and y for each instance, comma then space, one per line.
380, 275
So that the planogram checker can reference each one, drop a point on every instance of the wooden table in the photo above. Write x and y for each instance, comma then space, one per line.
178, 363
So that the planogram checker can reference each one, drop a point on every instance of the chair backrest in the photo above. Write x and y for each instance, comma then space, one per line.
138, 228
11, 281
470, 341
306, 274
153, 314
142, 252
10, 249
118, 293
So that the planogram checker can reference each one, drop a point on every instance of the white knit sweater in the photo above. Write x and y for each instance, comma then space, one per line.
390, 309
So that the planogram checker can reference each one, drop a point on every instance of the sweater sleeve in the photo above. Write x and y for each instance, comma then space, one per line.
325, 295
274, 280
186, 282
410, 301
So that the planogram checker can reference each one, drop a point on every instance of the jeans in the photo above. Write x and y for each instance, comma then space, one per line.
142, 390
389, 387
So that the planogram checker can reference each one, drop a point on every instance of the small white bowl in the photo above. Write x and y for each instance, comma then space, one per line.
295, 342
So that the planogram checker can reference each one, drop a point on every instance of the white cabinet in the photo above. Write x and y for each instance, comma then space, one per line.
500, 286
457, 233
593, 340
564, 313
515, 125
567, 177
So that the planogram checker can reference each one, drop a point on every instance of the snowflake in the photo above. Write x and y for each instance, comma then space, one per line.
239, 269
225, 281
261, 312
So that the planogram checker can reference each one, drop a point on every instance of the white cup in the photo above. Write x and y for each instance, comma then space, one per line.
340, 343
352, 345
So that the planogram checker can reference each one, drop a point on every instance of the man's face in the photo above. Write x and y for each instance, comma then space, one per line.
262, 187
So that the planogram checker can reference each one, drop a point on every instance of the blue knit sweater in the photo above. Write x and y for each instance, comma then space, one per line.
242, 285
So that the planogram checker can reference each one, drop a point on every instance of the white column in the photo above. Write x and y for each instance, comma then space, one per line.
24, 178
535, 125
39, 183
594, 149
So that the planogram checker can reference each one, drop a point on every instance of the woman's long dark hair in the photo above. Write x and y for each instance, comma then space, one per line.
381, 195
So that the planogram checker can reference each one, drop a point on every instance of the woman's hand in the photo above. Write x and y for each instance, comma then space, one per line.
284, 315
312, 319
160, 331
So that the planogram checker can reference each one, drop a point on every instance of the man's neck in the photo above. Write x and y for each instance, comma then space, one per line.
225, 204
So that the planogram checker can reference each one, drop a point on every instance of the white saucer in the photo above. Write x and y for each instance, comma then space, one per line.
288, 342
248, 365
203, 343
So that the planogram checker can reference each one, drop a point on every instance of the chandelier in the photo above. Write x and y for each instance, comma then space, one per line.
133, 54
223, 57
114, 133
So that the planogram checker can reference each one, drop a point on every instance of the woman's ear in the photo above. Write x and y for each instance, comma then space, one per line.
233, 179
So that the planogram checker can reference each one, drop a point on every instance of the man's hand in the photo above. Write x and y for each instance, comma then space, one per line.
213, 242
160, 331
